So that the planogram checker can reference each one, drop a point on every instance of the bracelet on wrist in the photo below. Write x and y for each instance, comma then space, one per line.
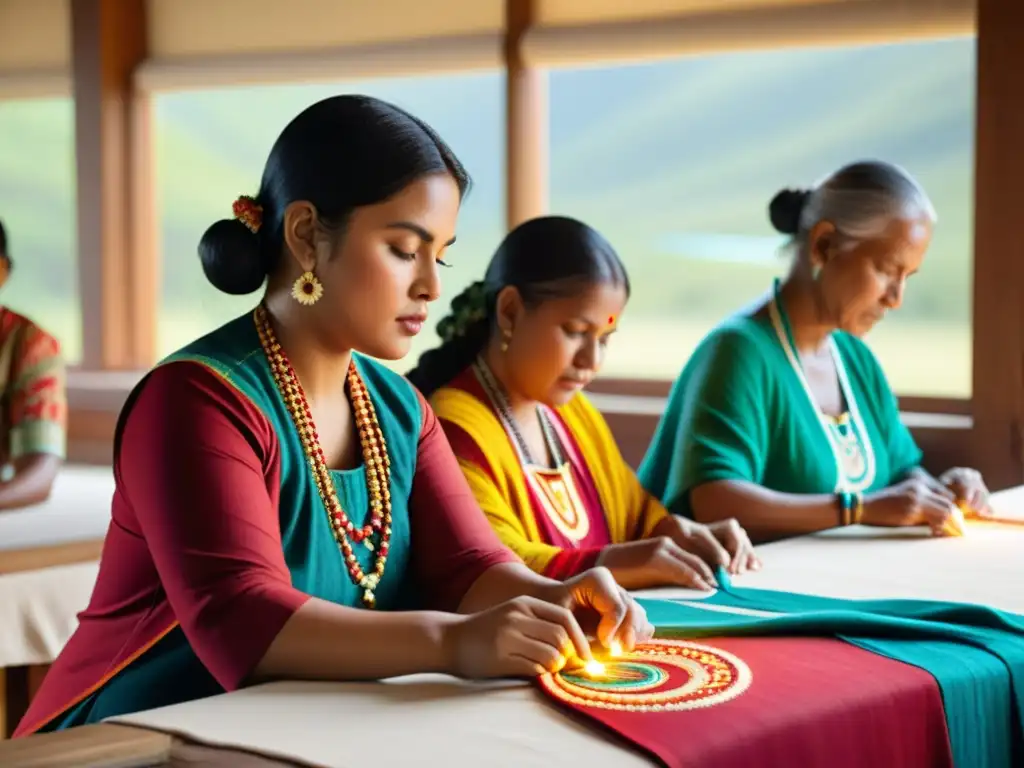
851, 508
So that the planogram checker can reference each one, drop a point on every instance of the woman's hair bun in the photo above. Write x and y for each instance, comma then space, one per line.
231, 257
785, 210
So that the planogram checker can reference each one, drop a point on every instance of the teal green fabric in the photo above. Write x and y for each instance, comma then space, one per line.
170, 672
975, 653
738, 412
309, 546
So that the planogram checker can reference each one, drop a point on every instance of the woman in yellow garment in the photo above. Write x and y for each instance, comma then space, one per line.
506, 383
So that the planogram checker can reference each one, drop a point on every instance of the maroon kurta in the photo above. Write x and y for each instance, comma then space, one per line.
195, 539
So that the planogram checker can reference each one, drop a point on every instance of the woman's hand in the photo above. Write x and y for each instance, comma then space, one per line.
723, 543
737, 543
605, 610
968, 488
915, 501
523, 637
658, 562
528, 636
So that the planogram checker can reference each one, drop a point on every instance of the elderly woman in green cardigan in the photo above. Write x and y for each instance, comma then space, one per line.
783, 418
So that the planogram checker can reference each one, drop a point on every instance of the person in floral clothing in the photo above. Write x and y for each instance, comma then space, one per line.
33, 404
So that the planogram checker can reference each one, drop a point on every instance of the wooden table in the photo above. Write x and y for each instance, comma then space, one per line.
282, 717
121, 746
69, 527
48, 563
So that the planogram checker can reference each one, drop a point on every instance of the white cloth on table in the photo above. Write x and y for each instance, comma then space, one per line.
426, 719
39, 608
78, 510
416, 720
39, 611
984, 566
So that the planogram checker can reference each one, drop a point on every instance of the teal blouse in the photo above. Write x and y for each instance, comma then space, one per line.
740, 410
219, 532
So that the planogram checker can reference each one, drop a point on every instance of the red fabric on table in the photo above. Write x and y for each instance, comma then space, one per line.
811, 702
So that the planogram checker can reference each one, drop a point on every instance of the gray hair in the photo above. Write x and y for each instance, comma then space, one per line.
860, 199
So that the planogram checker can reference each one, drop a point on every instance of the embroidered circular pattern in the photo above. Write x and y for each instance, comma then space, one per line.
658, 676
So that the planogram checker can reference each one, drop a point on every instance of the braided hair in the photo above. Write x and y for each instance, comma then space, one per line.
545, 258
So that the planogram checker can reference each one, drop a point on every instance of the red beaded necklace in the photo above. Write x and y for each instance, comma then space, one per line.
375, 457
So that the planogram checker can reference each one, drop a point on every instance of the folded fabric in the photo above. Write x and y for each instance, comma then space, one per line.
975, 653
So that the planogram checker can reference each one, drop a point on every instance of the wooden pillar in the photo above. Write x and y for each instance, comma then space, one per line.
998, 397
116, 254
526, 105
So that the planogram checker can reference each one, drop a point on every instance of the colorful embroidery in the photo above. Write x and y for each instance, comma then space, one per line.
847, 436
561, 501
850, 448
555, 488
658, 676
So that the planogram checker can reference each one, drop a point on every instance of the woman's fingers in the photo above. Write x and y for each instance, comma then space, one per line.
688, 570
556, 626
537, 653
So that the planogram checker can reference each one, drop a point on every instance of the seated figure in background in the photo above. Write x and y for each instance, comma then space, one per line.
33, 404
782, 418
506, 383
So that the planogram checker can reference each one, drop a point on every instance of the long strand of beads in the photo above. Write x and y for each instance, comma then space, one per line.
375, 457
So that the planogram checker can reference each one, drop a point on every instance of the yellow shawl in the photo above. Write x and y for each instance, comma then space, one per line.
500, 487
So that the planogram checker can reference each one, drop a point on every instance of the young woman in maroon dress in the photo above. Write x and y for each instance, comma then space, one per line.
287, 507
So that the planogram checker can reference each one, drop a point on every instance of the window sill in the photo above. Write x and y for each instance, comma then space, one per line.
106, 391
646, 405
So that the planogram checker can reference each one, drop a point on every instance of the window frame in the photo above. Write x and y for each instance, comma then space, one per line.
94, 391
